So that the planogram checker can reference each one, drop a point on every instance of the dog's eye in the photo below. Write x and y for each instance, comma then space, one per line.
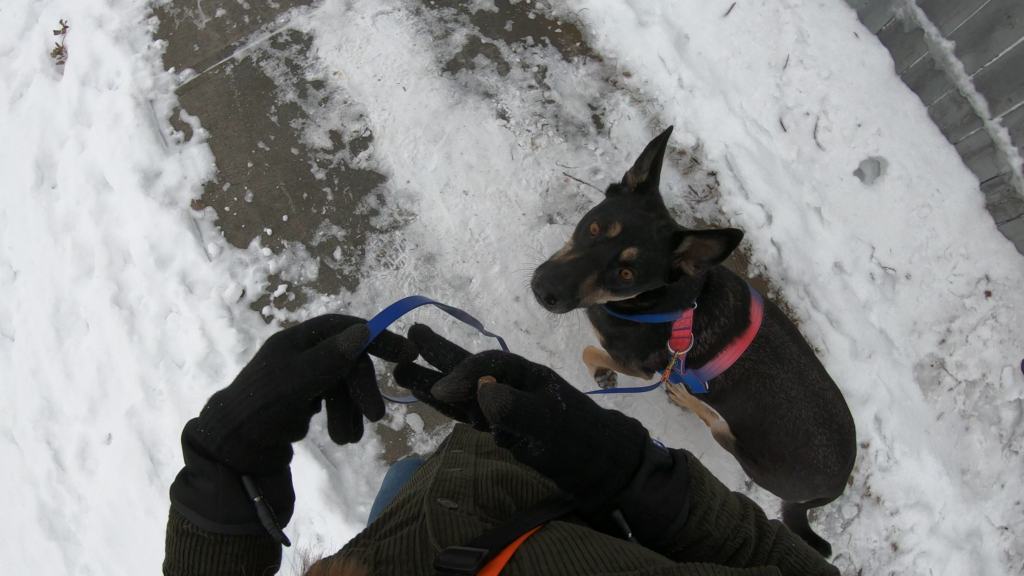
626, 274
594, 228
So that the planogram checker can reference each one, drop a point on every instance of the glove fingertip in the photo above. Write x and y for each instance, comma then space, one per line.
495, 401
408, 352
352, 340
337, 437
337, 431
419, 332
345, 427
453, 388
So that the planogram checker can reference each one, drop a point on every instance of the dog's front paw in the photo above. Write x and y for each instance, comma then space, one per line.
606, 378
677, 394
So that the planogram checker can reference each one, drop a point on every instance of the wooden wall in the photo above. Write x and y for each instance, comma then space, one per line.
989, 38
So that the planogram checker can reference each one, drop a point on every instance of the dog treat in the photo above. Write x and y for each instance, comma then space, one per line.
485, 380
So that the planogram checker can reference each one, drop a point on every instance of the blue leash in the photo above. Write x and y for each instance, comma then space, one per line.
392, 313
389, 315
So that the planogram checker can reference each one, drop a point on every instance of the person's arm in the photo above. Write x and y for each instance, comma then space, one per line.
213, 528
247, 429
676, 507
190, 550
608, 461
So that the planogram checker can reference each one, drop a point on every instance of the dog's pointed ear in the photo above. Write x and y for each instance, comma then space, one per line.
645, 174
697, 251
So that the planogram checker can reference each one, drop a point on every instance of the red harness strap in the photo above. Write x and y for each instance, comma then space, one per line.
726, 358
681, 341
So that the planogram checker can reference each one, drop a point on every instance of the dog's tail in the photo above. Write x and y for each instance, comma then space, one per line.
794, 515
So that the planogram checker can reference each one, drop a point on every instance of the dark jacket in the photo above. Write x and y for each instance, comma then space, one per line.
470, 485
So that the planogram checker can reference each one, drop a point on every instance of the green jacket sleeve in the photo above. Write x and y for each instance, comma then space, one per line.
192, 551
729, 529
213, 527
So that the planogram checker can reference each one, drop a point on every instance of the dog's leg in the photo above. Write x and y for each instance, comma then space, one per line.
597, 361
719, 428
603, 367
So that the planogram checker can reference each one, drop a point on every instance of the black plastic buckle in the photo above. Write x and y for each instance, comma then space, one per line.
460, 560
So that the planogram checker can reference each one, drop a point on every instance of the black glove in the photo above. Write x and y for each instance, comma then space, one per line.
250, 425
589, 451
444, 356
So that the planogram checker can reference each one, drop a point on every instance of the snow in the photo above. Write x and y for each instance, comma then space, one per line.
123, 310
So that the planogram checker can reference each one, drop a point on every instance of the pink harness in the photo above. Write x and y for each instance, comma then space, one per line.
681, 341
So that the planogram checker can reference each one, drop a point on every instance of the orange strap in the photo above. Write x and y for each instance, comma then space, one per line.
495, 566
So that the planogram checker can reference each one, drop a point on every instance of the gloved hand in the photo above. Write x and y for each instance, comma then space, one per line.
589, 451
444, 356
250, 425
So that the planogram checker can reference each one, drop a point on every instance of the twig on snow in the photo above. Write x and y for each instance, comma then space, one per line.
729, 11
582, 182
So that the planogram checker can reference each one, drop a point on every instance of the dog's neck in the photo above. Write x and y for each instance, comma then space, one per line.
668, 298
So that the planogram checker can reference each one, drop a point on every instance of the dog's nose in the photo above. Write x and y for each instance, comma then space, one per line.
543, 295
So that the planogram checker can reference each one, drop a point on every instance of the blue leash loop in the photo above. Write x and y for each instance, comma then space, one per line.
392, 313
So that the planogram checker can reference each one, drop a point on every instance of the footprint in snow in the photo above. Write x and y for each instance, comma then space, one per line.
871, 169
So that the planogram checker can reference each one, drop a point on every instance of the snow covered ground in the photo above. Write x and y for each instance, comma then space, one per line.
121, 311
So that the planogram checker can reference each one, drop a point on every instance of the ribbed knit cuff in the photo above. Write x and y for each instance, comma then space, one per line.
191, 551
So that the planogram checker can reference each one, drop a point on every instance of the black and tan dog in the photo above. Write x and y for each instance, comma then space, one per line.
778, 411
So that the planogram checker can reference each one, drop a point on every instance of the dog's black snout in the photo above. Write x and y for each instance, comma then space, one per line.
545, 296
544, 292
550, 289
541, 294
